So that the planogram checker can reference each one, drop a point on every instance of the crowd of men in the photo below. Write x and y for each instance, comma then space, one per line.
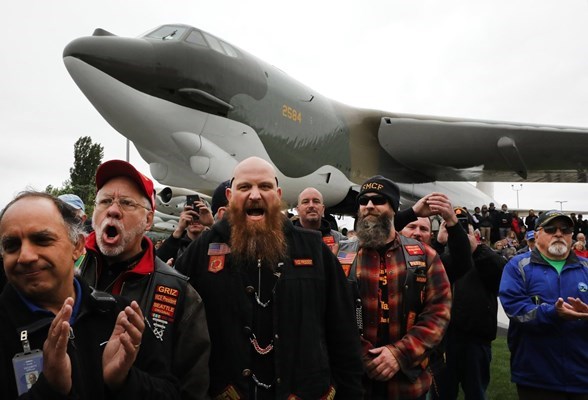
241, 302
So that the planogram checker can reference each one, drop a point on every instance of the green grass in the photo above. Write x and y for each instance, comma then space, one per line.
501, 388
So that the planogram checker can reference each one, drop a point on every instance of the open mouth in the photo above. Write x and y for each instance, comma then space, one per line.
255, 212
110, 234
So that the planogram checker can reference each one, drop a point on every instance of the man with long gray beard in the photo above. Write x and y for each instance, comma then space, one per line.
277, 302
404, 292
120, 260
544, 293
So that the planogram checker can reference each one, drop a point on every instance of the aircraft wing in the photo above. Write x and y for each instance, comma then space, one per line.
460, 149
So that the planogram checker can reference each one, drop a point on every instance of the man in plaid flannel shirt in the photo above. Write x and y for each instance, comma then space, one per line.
400, 326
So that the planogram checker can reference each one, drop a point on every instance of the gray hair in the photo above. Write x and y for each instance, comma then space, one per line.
71, 220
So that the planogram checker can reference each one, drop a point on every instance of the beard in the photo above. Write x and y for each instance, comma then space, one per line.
127, 236
373, 230
257, 240
558, 248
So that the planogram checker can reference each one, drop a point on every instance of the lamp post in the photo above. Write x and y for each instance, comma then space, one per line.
561, 204
517, 188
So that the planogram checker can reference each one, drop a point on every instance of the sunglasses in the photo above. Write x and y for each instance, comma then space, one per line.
551, 229
376, 200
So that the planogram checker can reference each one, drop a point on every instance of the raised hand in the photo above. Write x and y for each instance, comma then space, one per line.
122, 348
56, 361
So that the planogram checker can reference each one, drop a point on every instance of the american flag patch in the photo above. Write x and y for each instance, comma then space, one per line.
218, 249
346, 257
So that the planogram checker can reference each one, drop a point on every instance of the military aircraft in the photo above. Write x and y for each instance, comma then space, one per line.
195, 105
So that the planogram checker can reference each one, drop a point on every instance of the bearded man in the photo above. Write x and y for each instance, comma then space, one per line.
547, 334
279, 313
404, 292
120, 260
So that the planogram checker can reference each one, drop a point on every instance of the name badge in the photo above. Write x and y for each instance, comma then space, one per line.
27, 367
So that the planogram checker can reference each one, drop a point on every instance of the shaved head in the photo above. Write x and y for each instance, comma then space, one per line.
254, 212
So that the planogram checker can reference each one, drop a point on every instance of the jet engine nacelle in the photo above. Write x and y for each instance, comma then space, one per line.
169, 192
171, 200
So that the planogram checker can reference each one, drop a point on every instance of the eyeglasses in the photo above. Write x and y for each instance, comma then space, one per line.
551, 229
123, 203
376, 200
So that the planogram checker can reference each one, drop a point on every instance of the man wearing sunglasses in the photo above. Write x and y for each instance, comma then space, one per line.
405, 296
544, 293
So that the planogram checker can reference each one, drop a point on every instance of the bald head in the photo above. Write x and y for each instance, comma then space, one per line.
254, 186
310, 208
251, 166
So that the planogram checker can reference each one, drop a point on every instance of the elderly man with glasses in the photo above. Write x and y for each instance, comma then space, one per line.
121, 260
544, 293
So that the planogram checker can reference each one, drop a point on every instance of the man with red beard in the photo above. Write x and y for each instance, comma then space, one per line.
121, 260
544, 292
404, 292
279, 312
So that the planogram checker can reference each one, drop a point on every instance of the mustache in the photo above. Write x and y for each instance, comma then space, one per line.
111, 222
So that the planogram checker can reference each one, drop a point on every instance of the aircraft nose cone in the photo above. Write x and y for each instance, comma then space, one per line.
127, 59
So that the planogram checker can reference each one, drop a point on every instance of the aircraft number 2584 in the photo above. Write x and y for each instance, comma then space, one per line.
290, 113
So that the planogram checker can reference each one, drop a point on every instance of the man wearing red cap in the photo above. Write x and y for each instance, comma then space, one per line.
121, 260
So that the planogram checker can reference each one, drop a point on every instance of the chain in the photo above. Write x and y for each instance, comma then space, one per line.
259, 383
258, 348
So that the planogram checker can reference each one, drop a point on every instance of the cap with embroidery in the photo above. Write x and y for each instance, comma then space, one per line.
550, 215
384, 186
115, 168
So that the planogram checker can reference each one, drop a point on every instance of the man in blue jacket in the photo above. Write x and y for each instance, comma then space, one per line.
542, 292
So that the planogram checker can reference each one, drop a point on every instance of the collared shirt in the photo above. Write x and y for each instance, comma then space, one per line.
76, 308
410, 348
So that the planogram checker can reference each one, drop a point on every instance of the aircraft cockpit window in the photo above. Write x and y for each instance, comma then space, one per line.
214, 43
195, 37
229, 49
167, 32
220, 46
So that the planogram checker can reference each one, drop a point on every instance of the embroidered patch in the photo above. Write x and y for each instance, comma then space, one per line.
582, 287
218, 249
216, 263
414, 249
163, 309
228, 393
421, 279
167, 290
328, 240
303, 262
417, 263
346, 269
346, 257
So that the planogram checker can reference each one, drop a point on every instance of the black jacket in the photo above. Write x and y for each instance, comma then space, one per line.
316, 342
177, 318
173, 248
148, 379
475, 302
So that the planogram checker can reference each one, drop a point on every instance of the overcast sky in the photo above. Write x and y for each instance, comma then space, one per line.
508, 60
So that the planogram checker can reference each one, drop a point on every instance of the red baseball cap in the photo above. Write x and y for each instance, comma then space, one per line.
115, 168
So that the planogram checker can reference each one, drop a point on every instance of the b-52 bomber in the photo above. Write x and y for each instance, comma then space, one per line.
195, 105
